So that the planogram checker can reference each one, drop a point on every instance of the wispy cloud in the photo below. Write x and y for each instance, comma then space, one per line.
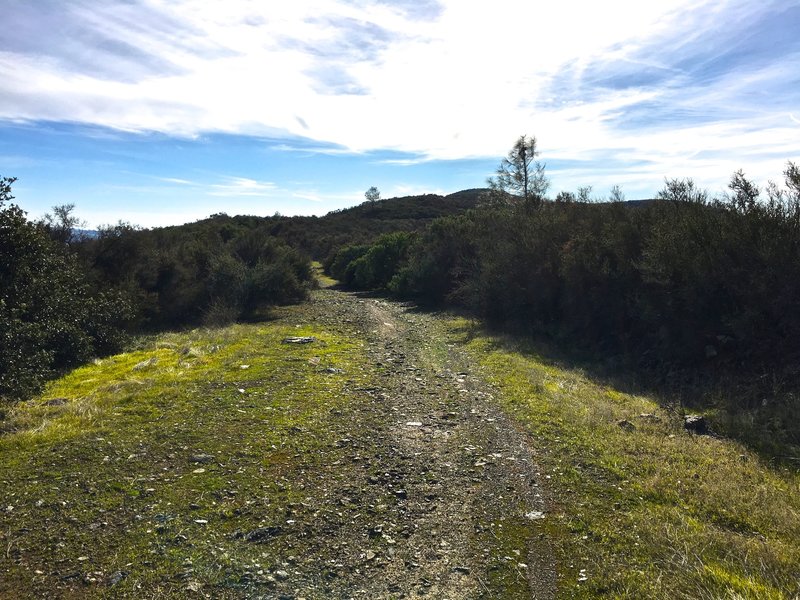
666, 82
298, 146
177, 181
312, 196
405, 162
241, 186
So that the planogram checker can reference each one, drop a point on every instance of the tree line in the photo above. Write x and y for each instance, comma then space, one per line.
684, 285
65, 298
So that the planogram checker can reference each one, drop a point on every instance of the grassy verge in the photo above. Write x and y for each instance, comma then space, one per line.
322, 279
639, 508
137, 475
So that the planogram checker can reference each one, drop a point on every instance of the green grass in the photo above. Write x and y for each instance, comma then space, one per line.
103, 480
322, 279
650, 512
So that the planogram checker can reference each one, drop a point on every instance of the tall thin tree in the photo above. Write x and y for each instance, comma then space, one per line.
520, 175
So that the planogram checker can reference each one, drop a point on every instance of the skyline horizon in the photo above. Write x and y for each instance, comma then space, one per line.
160, 114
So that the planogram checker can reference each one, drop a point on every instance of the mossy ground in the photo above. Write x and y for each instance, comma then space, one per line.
642, 509
102, 477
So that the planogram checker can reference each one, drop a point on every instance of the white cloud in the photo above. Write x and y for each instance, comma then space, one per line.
462, 81
241, 186
312, 196
177, 180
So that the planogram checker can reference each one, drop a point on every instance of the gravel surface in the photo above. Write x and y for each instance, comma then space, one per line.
438, 495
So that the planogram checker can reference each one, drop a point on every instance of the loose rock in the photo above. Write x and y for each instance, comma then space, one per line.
695, 424
201, 458
626, 425
262, 534
298, 340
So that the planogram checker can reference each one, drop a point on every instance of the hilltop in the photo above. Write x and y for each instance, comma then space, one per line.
320, 236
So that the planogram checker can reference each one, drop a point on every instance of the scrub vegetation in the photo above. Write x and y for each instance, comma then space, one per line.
291, 407
690, 296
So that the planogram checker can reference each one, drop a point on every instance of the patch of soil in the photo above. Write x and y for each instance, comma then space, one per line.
437, 492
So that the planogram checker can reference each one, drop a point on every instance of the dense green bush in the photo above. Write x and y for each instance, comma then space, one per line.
50, 317
366, 267
214, 271
339, 265
678, 282
376, 268
439, 263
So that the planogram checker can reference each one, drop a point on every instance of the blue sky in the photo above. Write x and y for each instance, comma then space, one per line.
158, 113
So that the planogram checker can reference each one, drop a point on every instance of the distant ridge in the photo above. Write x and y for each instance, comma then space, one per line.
425, 206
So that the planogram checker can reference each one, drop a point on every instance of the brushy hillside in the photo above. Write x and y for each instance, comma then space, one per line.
125, 280
321, 237
693, 296
374, 460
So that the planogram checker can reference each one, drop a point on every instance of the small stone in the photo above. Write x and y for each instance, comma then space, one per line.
282, 575
370, 555
414, 424
198, 471
626, 425
83, 558
201, 458
298, 340
695, 424
244, 367
201, 521
116, 577
534, 515
56, 402
376, 531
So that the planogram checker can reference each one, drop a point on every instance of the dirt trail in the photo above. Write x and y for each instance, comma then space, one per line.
439, 494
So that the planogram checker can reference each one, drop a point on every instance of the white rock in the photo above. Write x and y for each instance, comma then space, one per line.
534, 515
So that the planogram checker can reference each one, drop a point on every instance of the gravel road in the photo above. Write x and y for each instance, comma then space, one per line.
438, 495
